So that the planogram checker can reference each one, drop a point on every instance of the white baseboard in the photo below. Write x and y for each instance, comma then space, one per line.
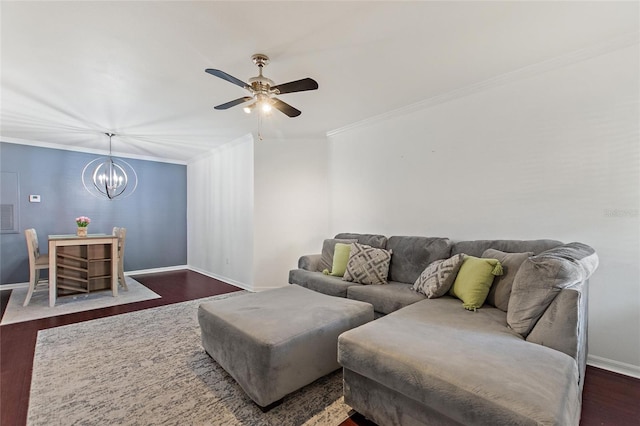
192, 268
222, 278
156, 270
615, 366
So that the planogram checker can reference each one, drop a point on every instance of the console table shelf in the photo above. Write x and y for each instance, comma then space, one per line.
83, 265
70, 256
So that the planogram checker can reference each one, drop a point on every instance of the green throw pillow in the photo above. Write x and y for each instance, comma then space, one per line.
340, 259
474, 280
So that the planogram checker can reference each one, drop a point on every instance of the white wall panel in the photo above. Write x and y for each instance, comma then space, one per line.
291, 206
220, 213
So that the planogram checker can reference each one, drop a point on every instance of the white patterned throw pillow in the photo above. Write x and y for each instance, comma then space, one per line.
438, 277
367, 265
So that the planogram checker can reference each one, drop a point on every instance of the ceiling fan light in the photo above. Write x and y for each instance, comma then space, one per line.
266, 106
247, 110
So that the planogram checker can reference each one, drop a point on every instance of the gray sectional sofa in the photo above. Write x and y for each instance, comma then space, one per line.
431, 362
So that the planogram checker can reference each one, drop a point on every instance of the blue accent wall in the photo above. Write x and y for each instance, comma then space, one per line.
155, 215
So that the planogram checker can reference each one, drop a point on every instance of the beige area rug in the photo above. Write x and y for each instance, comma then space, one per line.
39, 305
149, 367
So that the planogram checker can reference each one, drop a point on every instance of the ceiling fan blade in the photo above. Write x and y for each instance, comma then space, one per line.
234, 102
231, 79
285, 108
297, 86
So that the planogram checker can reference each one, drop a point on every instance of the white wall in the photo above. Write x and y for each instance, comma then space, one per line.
220, 213
290, 206
549, 155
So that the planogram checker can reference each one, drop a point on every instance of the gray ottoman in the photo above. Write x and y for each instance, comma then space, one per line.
277, 341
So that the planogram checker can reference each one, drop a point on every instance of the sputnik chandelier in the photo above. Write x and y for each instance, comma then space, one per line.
109, 177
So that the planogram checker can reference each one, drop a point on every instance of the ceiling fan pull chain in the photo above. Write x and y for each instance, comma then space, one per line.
260, 127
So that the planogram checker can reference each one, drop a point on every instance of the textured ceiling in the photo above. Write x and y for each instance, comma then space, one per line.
74, 70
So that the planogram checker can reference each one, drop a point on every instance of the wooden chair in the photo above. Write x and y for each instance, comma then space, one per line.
121, 233
37, 262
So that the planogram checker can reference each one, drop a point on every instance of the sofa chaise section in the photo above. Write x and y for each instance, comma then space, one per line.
441, 364
434, 363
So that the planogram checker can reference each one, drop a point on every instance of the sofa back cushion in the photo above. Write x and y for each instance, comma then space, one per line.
542, 277
373, 240
478, 247
501, 288
411, 255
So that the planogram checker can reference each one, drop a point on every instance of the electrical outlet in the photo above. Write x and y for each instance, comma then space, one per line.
34, 198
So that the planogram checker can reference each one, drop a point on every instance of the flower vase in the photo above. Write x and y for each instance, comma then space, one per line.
82, 231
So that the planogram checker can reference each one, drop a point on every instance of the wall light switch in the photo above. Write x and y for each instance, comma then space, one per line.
34, 198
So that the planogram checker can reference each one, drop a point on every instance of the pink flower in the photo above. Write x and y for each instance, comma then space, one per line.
83, 221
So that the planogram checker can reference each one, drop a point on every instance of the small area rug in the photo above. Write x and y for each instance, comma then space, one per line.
149, 367
39, 305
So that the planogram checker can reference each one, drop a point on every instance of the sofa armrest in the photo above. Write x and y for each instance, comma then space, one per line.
310, 262
563, 326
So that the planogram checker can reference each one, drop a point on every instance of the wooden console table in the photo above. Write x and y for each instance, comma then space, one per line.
82, 264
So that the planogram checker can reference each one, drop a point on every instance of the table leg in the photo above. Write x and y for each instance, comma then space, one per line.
114, 268
53, 271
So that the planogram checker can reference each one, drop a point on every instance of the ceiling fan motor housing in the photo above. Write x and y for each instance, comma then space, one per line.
261, 84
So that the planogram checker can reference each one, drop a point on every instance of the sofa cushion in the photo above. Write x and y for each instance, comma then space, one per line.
501, 288
328, 248
333, 286
373, 240
411, 255
367, 265
385, 298
542, 277
468, 365
476, 248
474, 280
437, 278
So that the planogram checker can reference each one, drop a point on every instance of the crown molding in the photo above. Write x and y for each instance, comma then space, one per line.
246, 138
50, 145
528, 71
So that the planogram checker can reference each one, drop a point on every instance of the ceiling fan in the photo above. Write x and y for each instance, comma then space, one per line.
263, 90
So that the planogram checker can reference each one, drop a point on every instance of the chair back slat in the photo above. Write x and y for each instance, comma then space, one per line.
32, 244
36, 262
121, 233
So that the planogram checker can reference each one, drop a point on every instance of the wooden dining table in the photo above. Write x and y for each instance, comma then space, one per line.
82, 263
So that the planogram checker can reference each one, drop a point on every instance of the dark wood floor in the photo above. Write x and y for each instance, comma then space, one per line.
608, 399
